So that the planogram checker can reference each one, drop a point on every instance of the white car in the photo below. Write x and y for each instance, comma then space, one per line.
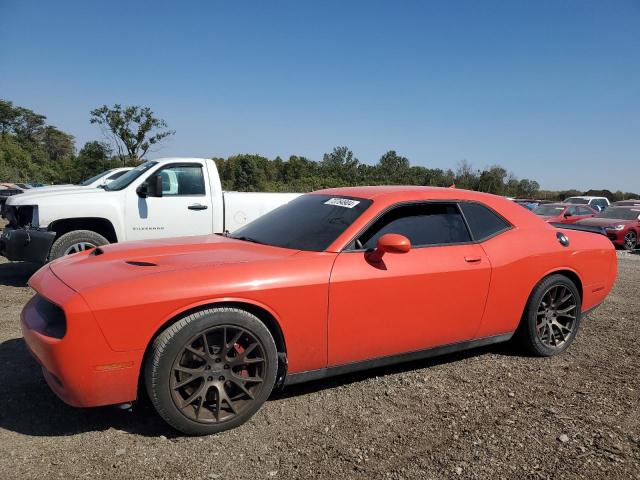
598, 203
169, 197
101, 179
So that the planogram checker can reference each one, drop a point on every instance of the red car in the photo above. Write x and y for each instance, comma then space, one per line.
622, 225
563, 212
335, 281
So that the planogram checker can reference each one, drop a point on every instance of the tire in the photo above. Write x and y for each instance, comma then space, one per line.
630, 241
77, 240
200, 393
552, 331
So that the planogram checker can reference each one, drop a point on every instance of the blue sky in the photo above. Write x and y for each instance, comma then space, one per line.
548, 89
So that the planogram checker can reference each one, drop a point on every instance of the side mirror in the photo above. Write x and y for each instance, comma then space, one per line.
389, 243
152, 187
143, 190
567, 215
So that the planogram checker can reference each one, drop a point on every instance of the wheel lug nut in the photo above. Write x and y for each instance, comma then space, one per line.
210, 379
221, 378
226, 367
217, 360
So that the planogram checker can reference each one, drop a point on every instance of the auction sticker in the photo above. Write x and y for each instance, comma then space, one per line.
342, 202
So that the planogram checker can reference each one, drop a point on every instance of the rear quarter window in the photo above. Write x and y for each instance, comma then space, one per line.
483, 222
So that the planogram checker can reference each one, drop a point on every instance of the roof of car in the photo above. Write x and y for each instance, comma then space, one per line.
587, 197
379, 191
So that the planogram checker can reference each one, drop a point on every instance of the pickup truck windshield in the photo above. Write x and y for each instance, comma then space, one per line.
310, 222
129, 177
576, 201
89, 181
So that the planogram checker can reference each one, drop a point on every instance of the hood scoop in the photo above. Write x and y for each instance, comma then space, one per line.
137, 263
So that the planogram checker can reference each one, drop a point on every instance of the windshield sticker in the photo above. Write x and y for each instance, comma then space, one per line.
342, 202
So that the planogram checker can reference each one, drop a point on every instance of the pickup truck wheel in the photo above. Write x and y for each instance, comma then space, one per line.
211, 371
74, 242
552, 317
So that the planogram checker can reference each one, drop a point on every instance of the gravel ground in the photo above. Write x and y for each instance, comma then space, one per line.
486, 413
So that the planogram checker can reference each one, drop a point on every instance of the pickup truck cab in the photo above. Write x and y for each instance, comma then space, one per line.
169, 197
597, 203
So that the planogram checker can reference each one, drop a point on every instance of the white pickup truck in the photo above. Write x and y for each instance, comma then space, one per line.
169, 197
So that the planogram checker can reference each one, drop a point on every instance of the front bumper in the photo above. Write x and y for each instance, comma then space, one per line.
80, 367
616, 236
29, 245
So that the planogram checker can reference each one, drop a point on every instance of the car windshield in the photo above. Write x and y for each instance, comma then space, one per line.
577, 201
129, 177
619, 213
89, 181
548, 210
310, 222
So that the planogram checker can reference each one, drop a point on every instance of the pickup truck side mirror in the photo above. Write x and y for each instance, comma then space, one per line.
152, 187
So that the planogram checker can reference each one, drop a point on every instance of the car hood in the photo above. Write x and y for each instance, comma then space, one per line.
123, 262
35, 196
603, 222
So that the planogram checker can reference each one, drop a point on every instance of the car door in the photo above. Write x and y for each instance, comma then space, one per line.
183, 209
432, 295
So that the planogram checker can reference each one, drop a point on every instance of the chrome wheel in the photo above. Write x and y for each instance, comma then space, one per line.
79, 247
218, 374
556, 316
630, 241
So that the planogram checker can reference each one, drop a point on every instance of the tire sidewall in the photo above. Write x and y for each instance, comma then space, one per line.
170, 344
533, 341
62, 243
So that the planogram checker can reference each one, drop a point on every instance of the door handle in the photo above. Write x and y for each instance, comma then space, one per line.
197, 206
472, 259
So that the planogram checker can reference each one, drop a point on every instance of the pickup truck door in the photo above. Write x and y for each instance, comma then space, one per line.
430, 296
184, 209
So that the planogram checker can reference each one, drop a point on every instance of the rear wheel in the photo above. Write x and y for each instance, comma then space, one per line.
552, 317
630, 241
74, 242
211, 371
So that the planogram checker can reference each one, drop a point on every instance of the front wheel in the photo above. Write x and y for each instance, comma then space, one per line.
630, 241
211, 371
552, 317
74, 242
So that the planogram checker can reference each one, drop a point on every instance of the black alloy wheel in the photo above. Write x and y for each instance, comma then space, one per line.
218, 374
211, 370
552, 316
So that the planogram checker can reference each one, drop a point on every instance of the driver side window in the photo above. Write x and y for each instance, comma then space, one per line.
422, 224
182, 180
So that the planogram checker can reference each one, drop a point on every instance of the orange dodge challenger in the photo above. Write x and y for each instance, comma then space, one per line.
335, 281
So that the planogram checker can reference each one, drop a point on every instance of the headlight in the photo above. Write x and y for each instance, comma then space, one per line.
19, 216
616, 227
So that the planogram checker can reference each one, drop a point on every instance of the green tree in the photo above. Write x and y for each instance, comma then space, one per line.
56, 143
393, 168
133, 130
340, 163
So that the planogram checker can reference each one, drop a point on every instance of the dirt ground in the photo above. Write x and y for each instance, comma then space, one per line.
486, 413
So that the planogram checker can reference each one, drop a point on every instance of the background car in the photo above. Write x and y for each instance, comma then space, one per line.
564, 212
627, 203
597, 203
622, 225
332, 282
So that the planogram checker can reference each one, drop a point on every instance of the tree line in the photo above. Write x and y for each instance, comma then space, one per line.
32, 150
